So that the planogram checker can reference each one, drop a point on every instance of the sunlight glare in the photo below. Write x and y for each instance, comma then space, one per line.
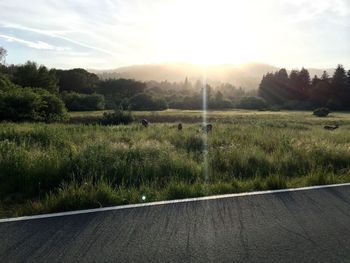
207, 32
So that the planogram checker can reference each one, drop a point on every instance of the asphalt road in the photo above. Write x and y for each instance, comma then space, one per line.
301, 226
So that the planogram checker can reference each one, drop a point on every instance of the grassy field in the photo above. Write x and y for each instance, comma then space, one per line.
59, 167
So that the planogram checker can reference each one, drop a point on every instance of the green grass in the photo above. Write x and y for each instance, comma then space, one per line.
59, 167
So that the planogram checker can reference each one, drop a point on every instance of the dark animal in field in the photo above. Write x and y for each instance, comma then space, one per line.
207, 128
331, 127
144, 123
179, 126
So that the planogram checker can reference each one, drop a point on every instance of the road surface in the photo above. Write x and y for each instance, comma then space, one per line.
292, 226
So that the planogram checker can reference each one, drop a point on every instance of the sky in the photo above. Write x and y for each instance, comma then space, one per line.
106, 34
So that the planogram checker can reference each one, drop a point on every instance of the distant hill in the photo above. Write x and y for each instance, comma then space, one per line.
246, 75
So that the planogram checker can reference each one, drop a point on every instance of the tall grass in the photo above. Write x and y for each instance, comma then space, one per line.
57, 167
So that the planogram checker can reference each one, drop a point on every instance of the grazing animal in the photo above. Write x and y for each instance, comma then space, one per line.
207, 128
179, 126
144, 123
331, 127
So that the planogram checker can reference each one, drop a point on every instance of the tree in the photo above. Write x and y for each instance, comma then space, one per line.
304, 82
294, 78
117, 90
5, 83
187, 84
3, 54
347, 99
281, 76
83, 102
31, 104
77, 80
294, 85
315, 80
339, 85
30, 75
274, 92
339, 77
52, 108
320, 93
325, 76
219, 96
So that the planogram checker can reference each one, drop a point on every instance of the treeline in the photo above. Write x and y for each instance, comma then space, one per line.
298, 91
188, 95
82, 90
25, 91
32, 92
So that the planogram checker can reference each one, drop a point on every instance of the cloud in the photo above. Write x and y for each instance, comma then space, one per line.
37, 45
305, 10
124, 32
62, 35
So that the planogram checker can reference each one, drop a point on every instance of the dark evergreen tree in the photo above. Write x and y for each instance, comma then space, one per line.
272, 90
295, 85
325, 76
347, 96
339, 87
315, 80
281, 76
304, 80
319, 93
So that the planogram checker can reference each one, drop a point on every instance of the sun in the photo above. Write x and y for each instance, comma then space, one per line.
206, 32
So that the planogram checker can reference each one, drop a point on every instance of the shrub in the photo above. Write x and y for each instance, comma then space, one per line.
52, 107
19, 104
30, 104
83, 102
252, 103
117, 117
321, 112
144, 101
296, 105
5, 83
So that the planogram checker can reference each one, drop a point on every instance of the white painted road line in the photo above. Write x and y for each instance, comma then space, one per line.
94, 210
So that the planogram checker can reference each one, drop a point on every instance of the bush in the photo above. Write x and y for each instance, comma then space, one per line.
321, 112
252, 103
28, 104
117, 117
220, 104
5, 83
83, 102
296, 105
144, 101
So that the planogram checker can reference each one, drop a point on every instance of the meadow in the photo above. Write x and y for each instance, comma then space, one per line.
68, 166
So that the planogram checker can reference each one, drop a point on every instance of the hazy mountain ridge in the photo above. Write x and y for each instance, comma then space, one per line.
246, 75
